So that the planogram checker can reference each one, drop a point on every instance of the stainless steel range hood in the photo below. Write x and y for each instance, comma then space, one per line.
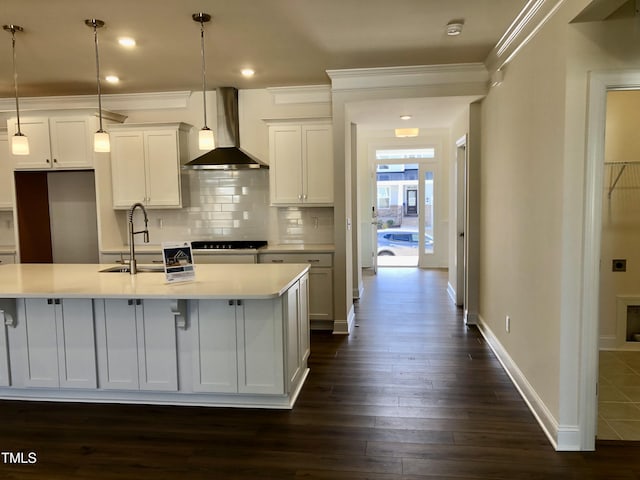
228, 155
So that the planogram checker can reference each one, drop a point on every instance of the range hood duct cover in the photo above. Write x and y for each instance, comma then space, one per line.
228, 155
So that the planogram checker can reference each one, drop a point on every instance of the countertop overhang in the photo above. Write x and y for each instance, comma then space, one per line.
230, 281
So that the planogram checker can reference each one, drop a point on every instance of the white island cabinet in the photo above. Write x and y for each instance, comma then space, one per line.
233, 337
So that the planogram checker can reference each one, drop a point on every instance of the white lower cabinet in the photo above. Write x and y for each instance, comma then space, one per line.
136, 344
237, 346
58, 343
7, 319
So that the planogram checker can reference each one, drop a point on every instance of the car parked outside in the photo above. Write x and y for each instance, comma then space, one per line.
400, 242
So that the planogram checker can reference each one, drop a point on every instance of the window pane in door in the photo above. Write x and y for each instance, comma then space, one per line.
429, 212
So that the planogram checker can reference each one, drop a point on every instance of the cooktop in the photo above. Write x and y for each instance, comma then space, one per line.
228, 244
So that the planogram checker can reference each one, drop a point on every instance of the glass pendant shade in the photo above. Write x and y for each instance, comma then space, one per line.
101, 142
206, 140
19, 144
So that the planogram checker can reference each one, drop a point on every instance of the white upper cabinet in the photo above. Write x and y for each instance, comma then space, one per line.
145, 164
301, 164
6, 174
55, 142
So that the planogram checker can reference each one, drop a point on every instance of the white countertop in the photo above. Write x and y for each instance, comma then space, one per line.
236, 281
271, 248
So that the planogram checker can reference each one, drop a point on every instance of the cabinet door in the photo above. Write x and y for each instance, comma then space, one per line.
260, 347
321, 293
285, 164
317, 175
157, 354
117, 345
71, 142
37, 330
162, 168
37, 131
6, 173
215, 363
7, 308
76, 343
127, 168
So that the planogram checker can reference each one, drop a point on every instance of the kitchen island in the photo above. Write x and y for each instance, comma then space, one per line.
238, 335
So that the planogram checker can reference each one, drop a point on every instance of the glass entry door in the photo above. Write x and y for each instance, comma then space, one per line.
406, 222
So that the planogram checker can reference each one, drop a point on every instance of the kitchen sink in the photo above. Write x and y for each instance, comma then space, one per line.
140, 269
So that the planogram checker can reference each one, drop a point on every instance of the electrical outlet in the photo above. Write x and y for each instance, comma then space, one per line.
507, 324
619, 265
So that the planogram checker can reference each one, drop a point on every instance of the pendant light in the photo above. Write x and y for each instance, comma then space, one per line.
100, 138
19, 142
205, 137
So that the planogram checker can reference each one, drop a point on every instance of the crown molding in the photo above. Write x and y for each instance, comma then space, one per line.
410, 76
118, 102
527, 24
302, 94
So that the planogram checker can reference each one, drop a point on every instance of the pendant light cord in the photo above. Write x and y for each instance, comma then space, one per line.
95, 40
204, 74
15, 77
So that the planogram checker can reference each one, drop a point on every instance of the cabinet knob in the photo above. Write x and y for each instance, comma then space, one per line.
304, 197
55, 160
47, 160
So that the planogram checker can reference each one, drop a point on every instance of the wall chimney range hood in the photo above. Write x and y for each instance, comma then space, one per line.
228, 155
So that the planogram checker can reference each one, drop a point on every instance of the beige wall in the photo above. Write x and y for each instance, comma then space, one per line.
533, 207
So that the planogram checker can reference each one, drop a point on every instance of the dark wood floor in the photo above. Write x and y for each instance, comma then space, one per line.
411, 394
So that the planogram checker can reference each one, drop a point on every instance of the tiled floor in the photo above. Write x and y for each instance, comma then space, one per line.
619, 396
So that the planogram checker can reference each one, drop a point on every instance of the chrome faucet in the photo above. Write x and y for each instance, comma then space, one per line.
133, 269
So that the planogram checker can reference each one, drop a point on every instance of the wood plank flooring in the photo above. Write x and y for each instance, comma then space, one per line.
411, 394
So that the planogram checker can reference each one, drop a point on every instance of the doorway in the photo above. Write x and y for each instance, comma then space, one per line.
57, 217
405, 220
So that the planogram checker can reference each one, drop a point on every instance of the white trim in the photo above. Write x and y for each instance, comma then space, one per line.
608, 342
129, 101
344, 327
599, 84
622, 304
534, 15
303, 94
543, 416
411, 76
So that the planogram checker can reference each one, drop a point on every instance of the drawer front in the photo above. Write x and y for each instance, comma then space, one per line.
202, 258
313, 259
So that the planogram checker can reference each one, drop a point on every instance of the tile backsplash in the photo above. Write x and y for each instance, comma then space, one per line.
234, 205
7, 237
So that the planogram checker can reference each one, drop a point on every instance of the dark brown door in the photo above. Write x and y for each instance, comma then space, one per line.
32, 198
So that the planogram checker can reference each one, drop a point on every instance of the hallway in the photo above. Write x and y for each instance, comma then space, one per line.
411, 394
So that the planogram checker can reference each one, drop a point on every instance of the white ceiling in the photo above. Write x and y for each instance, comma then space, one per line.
287, 42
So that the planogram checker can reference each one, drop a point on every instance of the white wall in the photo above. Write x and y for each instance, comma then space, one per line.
621, 211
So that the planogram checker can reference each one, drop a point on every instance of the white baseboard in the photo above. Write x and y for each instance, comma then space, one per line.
358, 292
344, 327
608, 342
562, 437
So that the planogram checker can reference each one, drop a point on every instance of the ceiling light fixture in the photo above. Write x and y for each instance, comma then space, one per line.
112, 79
19, 142
205, 137
454, 28
248, 72
127, 42
407, 132
100, 138
405, 117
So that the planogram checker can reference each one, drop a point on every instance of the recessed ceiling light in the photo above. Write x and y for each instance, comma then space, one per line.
454, 28
127, 42
248, 72
112, 79
405, 117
